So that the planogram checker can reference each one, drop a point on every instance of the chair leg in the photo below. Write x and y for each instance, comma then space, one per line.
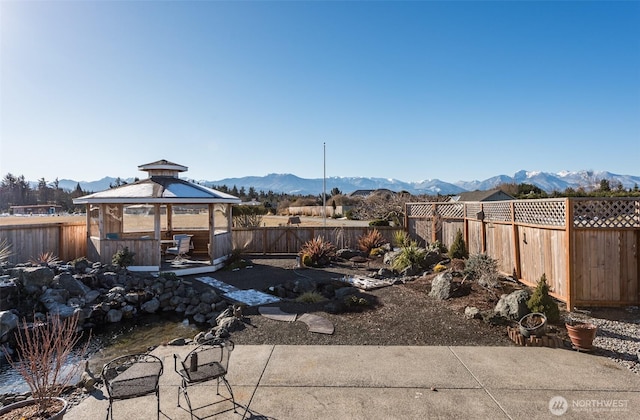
110, 410
233, 400
158, 397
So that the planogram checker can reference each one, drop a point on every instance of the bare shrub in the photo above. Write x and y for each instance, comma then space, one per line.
43, 350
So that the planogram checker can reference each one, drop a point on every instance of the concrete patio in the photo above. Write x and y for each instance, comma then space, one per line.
395, 382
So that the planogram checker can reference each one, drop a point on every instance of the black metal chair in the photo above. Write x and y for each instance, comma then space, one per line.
208, 361
131, 376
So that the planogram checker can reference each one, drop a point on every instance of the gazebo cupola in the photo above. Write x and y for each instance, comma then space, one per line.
163, 168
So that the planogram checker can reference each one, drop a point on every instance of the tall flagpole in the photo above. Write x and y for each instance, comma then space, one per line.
324, 185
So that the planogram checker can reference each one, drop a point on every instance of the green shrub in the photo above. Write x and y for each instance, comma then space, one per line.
458, 248
483, 269
123, 258
379, 222
319, 252
401, 238
310, 297
437, 246
410, 256
349, 215
353, 301
541, 301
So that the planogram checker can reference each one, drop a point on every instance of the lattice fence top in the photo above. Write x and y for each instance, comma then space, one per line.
540, 212
587, 212
615, 213
497, 211
450, 210
419, 210
472, 209
446, 210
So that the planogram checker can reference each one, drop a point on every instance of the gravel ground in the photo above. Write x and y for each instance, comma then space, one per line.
618, 335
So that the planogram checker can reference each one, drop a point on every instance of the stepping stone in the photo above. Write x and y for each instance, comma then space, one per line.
366, 283
220, 285
317, 324
275, 313
250, 297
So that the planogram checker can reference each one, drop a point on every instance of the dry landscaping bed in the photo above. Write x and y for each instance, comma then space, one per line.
401, 314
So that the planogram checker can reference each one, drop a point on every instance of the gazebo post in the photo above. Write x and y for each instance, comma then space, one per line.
212, 233
156, 232
169, 221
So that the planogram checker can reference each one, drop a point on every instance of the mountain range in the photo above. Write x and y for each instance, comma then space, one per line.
289, 183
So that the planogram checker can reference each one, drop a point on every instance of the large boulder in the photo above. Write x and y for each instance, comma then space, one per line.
8, 322
151, 306
441, 286
9, 293
55, 302
114, 316
514, 305
68, 282
33, 279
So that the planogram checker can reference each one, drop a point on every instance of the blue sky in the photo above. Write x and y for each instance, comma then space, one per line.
406, 90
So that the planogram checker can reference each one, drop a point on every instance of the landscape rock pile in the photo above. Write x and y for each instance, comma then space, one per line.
98, 294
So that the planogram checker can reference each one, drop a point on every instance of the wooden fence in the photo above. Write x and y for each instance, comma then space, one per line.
586, 247
68, 241
288, 240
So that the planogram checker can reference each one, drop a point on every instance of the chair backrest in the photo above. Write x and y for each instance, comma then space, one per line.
206, 354
183, 243
132, 375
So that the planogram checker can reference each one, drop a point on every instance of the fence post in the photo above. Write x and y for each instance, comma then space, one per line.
516, 242
568, 251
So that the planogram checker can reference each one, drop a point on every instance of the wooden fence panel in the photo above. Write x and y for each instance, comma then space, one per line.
449, 230
30, 241
474, 237
500, 246
73, 241
605, 272
542, 251
289, 240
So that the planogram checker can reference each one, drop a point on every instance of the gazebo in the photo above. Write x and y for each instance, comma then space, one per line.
145, 215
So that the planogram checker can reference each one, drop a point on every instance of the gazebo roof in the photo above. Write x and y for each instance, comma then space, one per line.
166, 188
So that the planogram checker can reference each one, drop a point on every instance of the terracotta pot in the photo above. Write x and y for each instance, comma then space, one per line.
582, 335
58, 416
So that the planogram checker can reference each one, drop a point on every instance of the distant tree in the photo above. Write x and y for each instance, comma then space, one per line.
605, 186
335, 191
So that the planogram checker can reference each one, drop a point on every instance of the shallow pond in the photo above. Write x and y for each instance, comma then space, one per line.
111, 341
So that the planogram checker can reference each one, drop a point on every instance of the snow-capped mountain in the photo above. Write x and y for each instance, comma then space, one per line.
289, 183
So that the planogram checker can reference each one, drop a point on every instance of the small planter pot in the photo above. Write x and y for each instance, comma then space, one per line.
534, 324
582, 335
20, 404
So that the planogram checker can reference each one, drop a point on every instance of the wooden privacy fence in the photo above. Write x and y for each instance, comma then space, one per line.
586, 247
69, 241
287, 240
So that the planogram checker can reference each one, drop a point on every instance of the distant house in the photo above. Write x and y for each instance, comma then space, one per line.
367, 193
36, 209
490, 195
